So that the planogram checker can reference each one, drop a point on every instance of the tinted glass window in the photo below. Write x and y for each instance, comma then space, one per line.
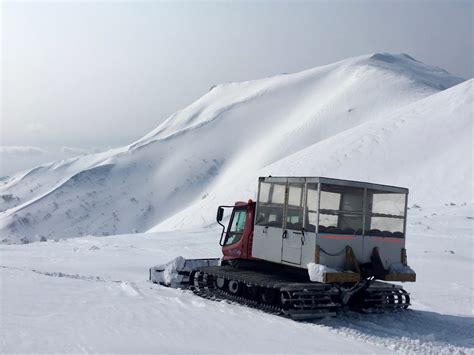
237, 227
330, 200
386, 203
294, 212
278, 194
342, 198
311, 206
238, 222
384, 226
295, 195
264, 193
385, 214
270, 205
341, 209
352, 201
270, 216
343, 223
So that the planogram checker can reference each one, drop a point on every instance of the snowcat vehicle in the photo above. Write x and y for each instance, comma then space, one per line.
306, 248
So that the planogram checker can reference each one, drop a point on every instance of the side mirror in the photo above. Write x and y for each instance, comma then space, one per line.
220, 214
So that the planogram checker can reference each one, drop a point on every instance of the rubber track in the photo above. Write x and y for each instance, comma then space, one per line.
306, 300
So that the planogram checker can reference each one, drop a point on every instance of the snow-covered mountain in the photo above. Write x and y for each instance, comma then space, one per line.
383, 118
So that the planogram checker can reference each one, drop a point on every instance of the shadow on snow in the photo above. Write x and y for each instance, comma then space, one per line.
412, 325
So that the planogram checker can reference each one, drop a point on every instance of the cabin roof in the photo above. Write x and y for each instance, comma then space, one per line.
333, 181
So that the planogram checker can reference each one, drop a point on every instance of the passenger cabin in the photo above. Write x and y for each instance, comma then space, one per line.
301, 220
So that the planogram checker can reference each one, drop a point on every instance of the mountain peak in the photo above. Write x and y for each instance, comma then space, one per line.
392, 58
204, 152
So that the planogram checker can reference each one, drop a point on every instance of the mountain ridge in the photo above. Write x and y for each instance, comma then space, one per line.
232, 129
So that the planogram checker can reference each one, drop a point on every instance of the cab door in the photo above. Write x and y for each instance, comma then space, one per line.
293, 236
268, 230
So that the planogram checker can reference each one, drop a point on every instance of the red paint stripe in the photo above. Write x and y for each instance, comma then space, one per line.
388, 240
336, 237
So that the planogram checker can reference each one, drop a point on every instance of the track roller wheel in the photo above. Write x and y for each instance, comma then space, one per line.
407, 299
234, 287
285, 297
221, 283
194, 279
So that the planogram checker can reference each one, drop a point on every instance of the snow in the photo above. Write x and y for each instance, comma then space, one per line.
316, 271
91, 294
399, 268
168, 275
425, 146
171, 273
383, 118
346, 119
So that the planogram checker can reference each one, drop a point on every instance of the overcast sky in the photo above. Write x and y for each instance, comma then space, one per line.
91, 75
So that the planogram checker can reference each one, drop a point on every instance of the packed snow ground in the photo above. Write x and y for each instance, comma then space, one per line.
91, 294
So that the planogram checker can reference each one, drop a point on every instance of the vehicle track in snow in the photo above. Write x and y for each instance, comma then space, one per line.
59, 274
406, 332
409, 331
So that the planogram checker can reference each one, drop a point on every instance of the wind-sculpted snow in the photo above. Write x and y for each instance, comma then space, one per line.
426, 146
355, 119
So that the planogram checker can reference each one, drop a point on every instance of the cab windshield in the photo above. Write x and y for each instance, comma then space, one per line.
237, 224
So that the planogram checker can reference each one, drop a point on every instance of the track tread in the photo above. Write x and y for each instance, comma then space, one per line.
302, 300
298, 300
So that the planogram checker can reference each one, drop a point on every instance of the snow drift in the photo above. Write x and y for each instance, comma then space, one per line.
377, 117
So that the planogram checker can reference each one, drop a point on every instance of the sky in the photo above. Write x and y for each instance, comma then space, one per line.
85, 76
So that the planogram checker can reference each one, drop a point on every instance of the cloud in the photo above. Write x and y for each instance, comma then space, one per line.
21, 150
35, 127
73, 150
79, 150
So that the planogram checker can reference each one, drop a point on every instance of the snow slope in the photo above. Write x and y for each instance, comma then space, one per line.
320, 121
91, 295
426, 146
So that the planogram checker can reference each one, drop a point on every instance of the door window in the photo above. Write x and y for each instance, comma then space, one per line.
264, 192
294, 212
237, 227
